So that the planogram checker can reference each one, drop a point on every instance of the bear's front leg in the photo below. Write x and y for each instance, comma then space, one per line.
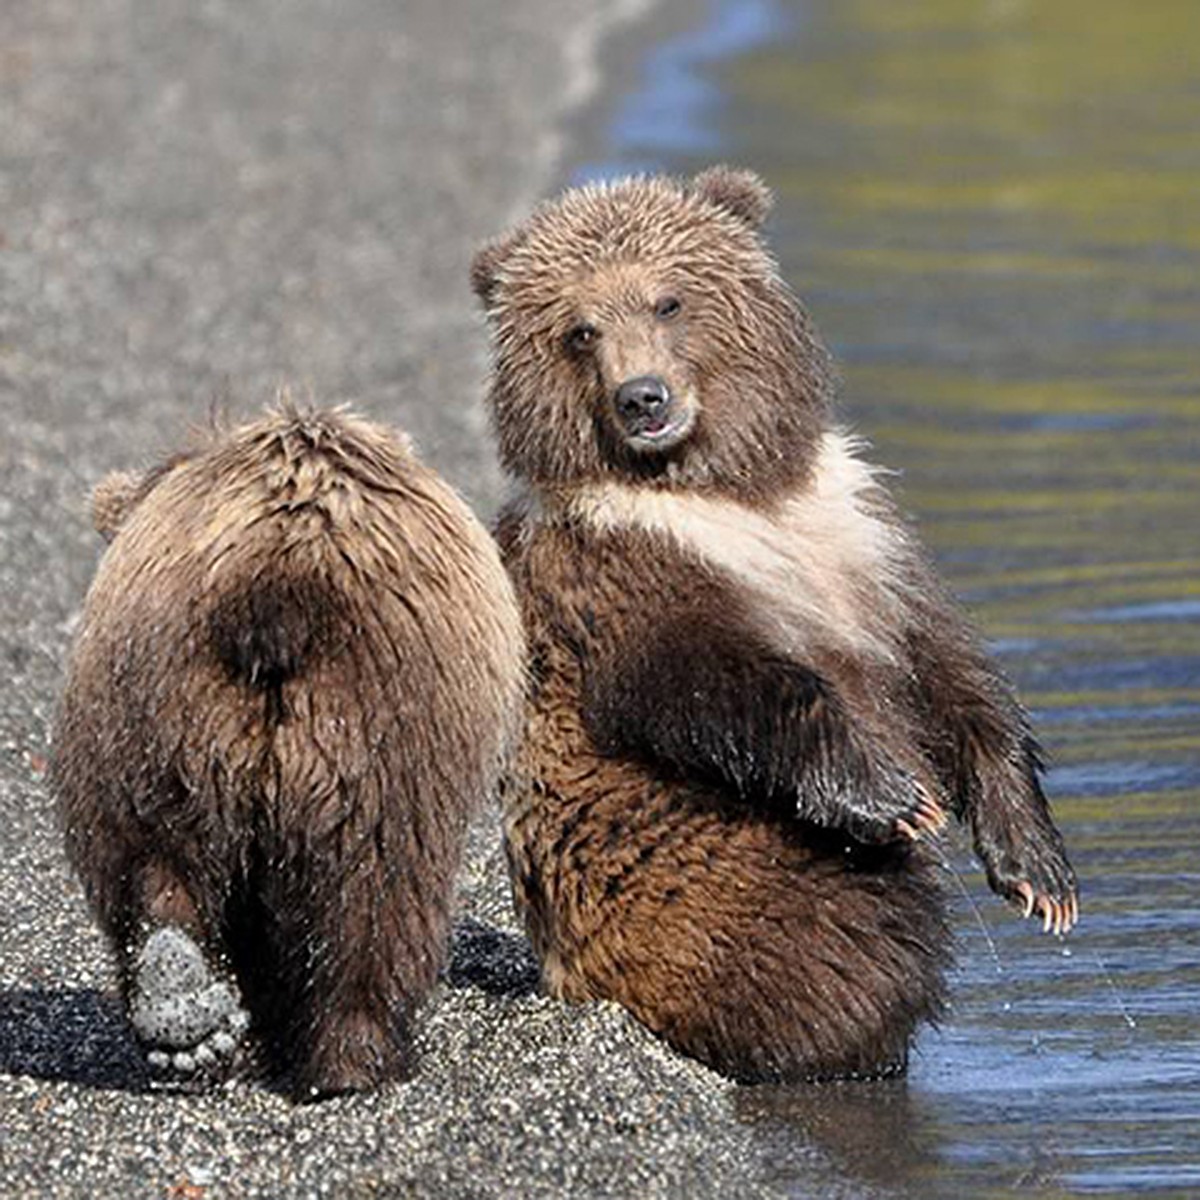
714, 703
979, 738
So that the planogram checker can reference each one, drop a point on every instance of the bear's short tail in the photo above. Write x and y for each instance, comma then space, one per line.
273, 629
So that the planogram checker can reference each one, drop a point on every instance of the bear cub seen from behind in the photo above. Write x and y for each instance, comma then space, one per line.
298, 671
751, 698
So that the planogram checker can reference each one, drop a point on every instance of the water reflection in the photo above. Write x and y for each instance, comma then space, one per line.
992, 210
873, 1134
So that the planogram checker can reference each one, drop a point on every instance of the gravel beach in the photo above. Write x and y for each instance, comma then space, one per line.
200, 202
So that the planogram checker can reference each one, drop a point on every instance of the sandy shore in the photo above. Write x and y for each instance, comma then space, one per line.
205, 200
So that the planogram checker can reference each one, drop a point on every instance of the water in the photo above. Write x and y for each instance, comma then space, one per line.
993, 210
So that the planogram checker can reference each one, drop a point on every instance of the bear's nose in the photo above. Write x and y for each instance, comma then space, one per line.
642, 397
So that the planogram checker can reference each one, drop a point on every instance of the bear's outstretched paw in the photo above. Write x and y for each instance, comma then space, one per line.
189, 1022
1059, 913
1031, 872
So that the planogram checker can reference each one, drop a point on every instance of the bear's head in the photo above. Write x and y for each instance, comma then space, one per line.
641, 331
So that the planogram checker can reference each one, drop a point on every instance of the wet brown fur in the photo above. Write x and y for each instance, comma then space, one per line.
748, 685
744, 342
297, 673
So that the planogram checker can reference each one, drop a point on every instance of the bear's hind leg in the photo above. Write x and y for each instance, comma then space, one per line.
353, 974
353, 1049
188, 1018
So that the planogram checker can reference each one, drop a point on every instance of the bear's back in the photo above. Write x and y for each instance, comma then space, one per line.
297, 610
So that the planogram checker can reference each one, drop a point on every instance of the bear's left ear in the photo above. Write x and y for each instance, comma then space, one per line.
485, 266
739, 192
112, 499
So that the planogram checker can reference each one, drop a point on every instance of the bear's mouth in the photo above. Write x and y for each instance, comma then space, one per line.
660, 432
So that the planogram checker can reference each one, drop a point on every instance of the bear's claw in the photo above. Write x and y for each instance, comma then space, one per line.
926, 818
189, 1021
890, 804
1059, 915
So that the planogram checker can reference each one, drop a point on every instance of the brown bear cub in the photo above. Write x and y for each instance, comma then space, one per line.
299, 669
750, 695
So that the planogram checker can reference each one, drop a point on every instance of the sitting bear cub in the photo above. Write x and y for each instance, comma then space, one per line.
751, 698
299, 666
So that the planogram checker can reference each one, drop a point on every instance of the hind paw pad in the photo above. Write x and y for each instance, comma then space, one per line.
190, 1021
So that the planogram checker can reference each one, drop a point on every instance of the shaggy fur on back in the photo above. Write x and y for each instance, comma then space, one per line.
752, 700
296, 677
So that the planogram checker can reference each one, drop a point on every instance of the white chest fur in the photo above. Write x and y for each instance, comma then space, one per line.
820, 565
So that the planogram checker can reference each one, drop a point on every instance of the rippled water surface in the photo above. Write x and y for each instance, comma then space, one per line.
993, 210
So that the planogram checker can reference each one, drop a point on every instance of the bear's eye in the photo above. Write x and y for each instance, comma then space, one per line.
582, 338
668, 308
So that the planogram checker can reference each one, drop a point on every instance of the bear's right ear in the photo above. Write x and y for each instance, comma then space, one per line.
737, 191
113, 498
485, 266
